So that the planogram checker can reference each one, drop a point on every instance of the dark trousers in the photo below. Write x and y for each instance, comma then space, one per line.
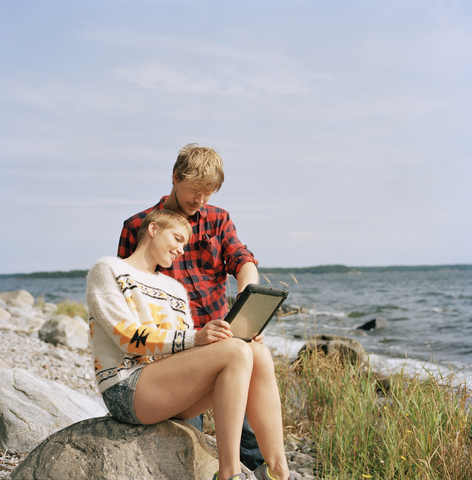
249, 451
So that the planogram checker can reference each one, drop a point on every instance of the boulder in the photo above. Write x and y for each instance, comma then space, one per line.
65, 330
374, 324
31, 408
347, 349
21, 305
105, 448
21, 295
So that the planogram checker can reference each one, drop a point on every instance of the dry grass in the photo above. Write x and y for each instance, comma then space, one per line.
72, 308
419, 429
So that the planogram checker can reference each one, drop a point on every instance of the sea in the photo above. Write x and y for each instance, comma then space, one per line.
426, 316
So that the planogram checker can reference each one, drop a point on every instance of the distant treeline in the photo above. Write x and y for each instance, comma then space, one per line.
263, 270
70, 274
344, 269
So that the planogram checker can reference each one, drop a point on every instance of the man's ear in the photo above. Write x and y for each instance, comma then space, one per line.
175, 178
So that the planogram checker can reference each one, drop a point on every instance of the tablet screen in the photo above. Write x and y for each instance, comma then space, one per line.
254, 309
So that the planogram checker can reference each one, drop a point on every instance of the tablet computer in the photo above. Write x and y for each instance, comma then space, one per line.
254, 309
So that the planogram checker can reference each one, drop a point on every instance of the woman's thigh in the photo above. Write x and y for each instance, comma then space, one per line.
175, 383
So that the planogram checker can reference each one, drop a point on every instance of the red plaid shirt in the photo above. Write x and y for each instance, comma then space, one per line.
213, 252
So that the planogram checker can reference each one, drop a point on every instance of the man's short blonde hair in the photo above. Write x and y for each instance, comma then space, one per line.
200, 164
163, 219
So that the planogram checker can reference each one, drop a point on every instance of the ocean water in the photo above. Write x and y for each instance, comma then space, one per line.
428, 315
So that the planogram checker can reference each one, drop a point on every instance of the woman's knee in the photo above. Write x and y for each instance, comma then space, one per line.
239, 350
261, 355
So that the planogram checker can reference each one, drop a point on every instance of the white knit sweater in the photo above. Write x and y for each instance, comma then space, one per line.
135, 318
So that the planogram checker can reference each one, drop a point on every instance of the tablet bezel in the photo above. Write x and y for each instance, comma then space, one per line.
246, 294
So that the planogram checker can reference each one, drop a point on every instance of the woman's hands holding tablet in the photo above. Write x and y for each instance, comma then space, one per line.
213, 331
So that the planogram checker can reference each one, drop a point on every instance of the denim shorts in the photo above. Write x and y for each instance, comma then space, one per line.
119, 399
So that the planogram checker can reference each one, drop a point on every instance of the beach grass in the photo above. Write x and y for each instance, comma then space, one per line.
420, 428
72, 308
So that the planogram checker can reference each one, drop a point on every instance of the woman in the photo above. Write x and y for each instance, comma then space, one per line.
152, 365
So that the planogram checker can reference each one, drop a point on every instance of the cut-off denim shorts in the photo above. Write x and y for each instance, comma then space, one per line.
119, 399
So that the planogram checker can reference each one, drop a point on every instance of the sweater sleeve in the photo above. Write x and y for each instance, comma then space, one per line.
135, 329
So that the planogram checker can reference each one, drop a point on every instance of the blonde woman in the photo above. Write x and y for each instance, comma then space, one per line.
152, 365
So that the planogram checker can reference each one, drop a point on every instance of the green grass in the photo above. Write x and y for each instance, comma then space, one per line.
72, 308
419, 429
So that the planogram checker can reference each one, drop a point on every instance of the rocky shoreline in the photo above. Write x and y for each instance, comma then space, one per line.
22, 348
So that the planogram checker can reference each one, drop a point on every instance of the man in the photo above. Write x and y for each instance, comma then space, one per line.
213, 252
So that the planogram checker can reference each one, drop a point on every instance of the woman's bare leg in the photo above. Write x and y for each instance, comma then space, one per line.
188, 383
264, 412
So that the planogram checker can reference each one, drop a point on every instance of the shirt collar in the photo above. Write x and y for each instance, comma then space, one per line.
200, 213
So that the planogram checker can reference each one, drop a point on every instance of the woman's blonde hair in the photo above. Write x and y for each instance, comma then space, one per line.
163, 219
200, 164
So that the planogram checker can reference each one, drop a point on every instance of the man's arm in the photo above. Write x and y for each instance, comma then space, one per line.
246, 275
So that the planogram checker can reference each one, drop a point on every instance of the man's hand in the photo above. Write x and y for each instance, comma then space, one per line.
259, 338
213, 331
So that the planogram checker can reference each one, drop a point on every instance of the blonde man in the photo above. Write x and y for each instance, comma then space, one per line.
213, 251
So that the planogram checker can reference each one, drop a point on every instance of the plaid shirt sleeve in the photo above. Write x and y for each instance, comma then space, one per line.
213, 252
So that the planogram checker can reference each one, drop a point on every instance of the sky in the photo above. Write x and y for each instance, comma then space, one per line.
344, 126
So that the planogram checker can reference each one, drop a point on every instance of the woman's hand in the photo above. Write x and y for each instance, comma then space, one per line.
259, 338
213, 331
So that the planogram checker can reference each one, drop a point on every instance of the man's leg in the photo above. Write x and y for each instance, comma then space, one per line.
250, 454
197, 422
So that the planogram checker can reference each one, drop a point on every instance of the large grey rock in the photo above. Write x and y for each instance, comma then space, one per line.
348, 350
32, 408
103, 448
21, 295
65, 330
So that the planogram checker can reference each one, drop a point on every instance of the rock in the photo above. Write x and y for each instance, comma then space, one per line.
285, 309
5, 315
349, 350
375, 323
65, 330
3, 304
105, 448
3, 365
21, 305
20, 313
21, 295
49, 308
32, 408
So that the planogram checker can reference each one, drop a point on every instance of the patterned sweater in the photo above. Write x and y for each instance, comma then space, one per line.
135, 318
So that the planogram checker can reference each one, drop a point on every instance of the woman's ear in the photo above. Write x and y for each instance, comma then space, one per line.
152, 229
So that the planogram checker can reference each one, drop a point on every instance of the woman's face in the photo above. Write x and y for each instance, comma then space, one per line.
168, 244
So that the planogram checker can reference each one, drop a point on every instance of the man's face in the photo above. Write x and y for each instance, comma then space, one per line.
189, 196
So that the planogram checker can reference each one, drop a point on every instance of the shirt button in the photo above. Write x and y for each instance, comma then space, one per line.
189, 264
